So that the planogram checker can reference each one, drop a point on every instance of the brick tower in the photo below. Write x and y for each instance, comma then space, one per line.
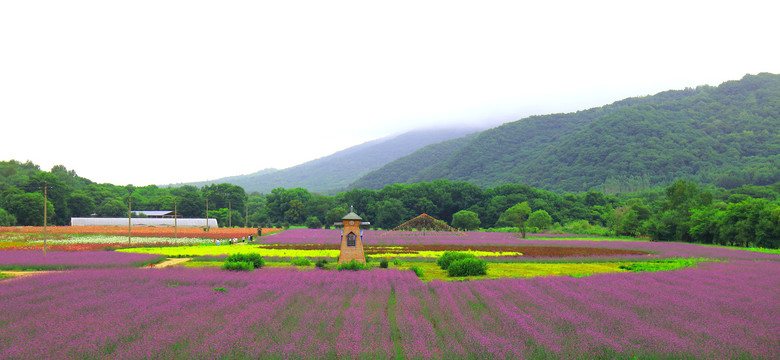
352, 238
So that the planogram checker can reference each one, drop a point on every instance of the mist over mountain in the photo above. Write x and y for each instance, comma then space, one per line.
332, 173
725, 135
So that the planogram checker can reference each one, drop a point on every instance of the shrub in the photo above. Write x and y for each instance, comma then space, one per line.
313, 223
467, 267
465, 219
383, 264
352, 265
448, 257
301, 261
238, 265
321, 263
254, 258
397, 262
417, 270
220, 289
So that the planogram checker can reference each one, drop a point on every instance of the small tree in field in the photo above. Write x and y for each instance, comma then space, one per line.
518, 215
467, 220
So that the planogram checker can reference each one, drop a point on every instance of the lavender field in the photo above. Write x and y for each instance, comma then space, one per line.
23, 259
379, 237
373, 237
718, 310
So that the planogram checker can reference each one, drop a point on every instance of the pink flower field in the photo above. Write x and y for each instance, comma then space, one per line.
716, 311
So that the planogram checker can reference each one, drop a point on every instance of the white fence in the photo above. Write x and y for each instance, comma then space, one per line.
89, 221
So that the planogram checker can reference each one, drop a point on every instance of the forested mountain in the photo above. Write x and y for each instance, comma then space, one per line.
727, 135
398, 171
336, 171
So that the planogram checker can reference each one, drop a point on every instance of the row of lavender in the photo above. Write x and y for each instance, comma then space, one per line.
720, 310
70, 259
371, 237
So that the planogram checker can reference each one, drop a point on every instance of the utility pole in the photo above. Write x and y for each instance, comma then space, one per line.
129, 213
175, 221
45, 202
207, 215
246, 214
230, 215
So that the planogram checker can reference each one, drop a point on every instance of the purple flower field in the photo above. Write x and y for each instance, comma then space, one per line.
378, 237
372, 237
718, 310
69, 259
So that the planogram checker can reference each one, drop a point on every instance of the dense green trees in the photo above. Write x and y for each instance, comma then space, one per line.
6, 219
22, 184
684, 211
690, 214
751, 222
27, 208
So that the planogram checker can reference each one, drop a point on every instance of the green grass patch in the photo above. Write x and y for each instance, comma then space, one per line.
200, 264
301, 261
661, 265
586, 238
238, 266
353, 265
762, 250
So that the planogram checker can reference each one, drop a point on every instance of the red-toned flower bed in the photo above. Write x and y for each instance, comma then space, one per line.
212, 233
87, 246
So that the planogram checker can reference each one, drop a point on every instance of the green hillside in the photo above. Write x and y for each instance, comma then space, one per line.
336, 171
727, 135
399, 171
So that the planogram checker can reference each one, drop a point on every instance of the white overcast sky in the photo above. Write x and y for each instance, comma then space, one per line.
157, 92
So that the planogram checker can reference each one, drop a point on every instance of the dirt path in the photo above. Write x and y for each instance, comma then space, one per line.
17, 274
171, 262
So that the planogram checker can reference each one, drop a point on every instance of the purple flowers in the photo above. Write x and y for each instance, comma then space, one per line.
726, 309
70, 259
718, 310
373, 237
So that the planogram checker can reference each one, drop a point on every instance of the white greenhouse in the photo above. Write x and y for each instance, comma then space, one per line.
159, 222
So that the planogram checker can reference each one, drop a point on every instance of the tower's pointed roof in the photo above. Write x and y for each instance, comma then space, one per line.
352, 215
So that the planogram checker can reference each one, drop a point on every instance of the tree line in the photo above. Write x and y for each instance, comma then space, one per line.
684, 211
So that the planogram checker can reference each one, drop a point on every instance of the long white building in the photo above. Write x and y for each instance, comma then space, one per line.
160, 222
